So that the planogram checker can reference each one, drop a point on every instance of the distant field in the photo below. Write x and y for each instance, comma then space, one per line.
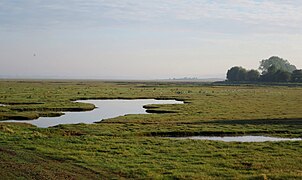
134, 146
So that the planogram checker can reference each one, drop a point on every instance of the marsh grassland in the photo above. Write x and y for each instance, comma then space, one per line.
136, 147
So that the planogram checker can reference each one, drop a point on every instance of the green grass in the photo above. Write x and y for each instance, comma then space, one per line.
135, 146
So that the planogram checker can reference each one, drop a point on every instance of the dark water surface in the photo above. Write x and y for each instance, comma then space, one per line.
105, 109
240, 138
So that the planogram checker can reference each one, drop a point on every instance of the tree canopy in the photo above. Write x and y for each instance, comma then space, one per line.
297, 76
252, 75
279, 63
274, 69
238, 73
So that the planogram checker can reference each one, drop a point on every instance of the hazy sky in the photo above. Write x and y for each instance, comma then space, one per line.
145, 39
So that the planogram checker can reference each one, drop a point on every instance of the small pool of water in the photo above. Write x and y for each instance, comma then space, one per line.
239, 138
2, 105
105, 109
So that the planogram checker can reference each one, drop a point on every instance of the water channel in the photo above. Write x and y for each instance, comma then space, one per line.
116, 107
104, 109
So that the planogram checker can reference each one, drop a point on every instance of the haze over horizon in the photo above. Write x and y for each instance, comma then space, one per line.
132, 39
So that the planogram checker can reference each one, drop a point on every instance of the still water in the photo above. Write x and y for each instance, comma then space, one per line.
240, 138
105, 109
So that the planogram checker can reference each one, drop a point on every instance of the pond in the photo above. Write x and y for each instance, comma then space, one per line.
104, 109
239, 138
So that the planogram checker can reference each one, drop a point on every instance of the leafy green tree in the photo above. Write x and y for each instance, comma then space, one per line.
282, 76
276, 75
279, 63
252, 75
237, 74
274, 69
269, 76
297, 75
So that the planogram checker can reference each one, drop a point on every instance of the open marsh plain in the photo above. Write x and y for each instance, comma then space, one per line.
134, 147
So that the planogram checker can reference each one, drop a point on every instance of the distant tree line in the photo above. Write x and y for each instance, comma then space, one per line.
274, 69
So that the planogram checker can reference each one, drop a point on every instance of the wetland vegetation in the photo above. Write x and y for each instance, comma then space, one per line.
104, 109
132, 146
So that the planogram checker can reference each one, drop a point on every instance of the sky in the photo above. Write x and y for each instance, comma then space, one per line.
145, 39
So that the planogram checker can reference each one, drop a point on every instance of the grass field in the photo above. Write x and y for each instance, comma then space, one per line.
135, 146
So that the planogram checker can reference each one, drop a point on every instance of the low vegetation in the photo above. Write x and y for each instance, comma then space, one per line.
136, 146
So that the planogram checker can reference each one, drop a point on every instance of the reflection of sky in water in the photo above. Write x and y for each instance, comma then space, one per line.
105, 109
240, 138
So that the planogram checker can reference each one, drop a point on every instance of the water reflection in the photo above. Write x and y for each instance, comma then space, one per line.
105, 109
